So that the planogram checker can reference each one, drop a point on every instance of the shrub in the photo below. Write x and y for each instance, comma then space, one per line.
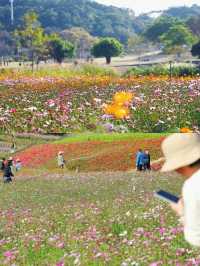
162, 70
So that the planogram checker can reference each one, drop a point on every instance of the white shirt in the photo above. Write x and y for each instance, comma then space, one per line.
191, 198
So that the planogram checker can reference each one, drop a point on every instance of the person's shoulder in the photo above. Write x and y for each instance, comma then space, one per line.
192, 186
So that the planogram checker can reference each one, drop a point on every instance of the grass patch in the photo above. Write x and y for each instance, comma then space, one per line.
109, 137
98, 219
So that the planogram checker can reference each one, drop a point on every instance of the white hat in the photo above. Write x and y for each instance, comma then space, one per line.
10, 159
180, 149
60, 152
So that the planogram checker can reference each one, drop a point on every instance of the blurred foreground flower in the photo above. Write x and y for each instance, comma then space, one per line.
119, 108
123, 98
185, 130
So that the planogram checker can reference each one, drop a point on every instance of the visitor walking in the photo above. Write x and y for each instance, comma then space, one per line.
139, 160
147, 161
8, 173
182, 154
61, 160
2, 164
18, 165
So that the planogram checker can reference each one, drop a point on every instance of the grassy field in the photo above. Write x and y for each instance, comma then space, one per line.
91, 219
109, 137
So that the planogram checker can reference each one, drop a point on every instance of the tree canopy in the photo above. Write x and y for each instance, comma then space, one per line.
60, 49
107, 47
58, 15
177, 36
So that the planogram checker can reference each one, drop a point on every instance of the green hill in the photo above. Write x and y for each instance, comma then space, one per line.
56, 15
183, 12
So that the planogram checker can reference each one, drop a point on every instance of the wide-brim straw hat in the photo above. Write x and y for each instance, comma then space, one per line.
180, 149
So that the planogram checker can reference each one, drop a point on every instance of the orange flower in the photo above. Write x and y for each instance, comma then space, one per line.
123, 97
185, 130
121, 112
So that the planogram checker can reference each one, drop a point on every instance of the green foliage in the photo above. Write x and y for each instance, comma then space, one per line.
107, 48
161, 70
60, 49
183, 12
97, 19
160, 26
94, 70
32, 37
193, 23
196, 49
177, 36
81, 39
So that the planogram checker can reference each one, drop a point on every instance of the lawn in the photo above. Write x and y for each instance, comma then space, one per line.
91, 219
109, 137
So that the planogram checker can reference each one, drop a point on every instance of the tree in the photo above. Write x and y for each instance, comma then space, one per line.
32, 38
159, 27
176, 38
193, 23
107, 47
196, 49
60, 49
134, 43
65, 14
81, 39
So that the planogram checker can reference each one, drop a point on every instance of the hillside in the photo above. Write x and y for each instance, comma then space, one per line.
183, 12
56, 15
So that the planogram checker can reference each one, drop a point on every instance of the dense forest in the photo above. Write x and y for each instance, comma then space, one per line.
82, 21
99, 20
57, 15
183, 12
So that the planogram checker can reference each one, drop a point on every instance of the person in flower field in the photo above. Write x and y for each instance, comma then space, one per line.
61, 160
18, 165
147, 161
8, 173
2, 164
182, 154
139, 160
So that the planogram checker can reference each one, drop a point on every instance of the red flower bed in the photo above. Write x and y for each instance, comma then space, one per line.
93, 155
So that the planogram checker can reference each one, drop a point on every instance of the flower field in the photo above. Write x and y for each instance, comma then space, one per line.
90, 156
57, 105
91, 219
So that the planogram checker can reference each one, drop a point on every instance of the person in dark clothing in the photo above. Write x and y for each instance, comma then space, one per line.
147, 161
8, 174
2, 164
139, 160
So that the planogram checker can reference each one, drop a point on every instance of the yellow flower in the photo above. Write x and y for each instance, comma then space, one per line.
121, 112
123, 97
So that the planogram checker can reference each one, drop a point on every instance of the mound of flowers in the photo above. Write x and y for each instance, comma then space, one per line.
92, 155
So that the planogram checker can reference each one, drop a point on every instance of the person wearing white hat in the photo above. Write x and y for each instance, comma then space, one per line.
60, 159
18, 165
182, 154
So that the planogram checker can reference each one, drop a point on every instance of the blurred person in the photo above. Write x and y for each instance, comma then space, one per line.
18, 165
182, 154
147, 161
2, 164
139, 160
61, 160
8, 172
